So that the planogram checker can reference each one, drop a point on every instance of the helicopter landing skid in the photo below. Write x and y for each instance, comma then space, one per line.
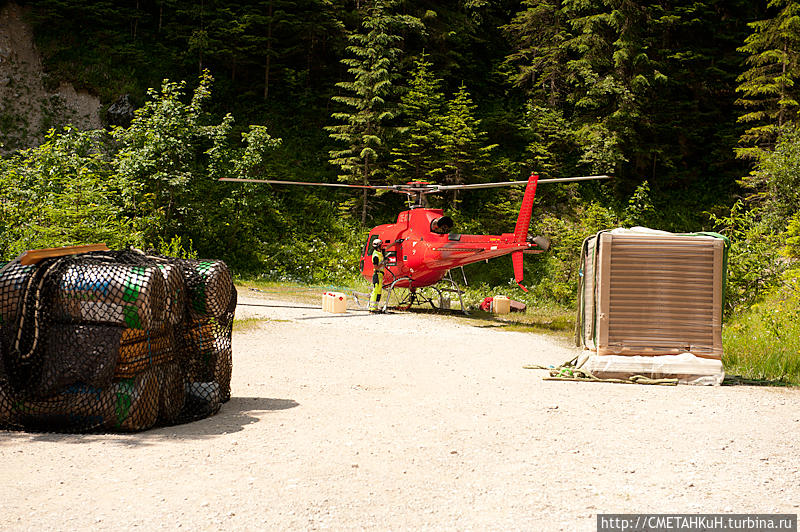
437, 296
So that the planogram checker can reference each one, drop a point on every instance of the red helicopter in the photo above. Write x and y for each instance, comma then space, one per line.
421, 249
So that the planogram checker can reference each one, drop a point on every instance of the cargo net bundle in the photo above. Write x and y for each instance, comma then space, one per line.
113, 341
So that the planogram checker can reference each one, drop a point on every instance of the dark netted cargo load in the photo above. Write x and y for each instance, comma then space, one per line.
113, 341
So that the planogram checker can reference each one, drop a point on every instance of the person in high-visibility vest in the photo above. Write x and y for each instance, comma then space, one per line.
378, 263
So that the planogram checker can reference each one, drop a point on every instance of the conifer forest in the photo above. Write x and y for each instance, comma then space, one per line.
691, 106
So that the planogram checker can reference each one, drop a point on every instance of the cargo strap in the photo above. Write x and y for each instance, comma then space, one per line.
32, 289
569, 371
31, 296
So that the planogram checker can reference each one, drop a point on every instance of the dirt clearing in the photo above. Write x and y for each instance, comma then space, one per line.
412, 421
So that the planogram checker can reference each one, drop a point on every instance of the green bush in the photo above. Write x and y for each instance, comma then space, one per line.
312, 260
763, 342
62, 193
560, 267
153, 185
754, 262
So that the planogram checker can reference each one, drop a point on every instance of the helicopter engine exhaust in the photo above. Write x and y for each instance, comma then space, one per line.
442, 225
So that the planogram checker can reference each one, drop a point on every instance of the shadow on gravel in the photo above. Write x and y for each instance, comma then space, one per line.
515, 321
736, 380
232, 417
335, 316
275, 306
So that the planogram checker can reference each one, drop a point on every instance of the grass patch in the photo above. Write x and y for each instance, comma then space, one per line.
539, 317
762, 345
247, 324
544, 319
301, 293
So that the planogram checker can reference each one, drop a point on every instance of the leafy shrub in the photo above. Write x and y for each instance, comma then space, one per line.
754, 263
763, 342
63, 192
561, 265
177, 247
151, 185
640, 210
776, 180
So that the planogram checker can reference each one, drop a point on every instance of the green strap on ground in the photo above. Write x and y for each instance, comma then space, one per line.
568, 371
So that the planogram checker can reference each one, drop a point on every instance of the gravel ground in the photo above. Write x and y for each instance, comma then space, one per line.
412, 421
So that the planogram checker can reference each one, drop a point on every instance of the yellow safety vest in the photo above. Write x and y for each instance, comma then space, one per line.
377, 261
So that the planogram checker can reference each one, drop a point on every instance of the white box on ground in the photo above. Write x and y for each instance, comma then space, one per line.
501, 305
334, 302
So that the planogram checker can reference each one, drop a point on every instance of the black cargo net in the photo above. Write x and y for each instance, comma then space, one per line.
113, 341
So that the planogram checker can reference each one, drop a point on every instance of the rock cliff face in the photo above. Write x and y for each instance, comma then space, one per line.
27, 109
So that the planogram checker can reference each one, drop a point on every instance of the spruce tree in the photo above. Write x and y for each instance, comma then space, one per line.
365, 126
462, 147
769, 95
416, 155
538, 35
614, 75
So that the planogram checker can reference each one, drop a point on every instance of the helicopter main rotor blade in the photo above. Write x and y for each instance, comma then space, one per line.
518, 183
277, 182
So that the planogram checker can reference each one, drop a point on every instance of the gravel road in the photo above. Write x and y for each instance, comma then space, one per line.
412, 421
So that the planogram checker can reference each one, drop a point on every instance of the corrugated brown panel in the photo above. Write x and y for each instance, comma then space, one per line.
661, 295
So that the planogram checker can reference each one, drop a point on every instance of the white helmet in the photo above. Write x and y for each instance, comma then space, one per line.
376, 242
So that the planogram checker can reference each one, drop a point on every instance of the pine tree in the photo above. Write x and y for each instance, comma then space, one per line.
416, 155
365, 127
259, 37
769, 95
646, 86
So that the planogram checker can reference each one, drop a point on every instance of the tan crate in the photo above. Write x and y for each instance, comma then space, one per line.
652, 293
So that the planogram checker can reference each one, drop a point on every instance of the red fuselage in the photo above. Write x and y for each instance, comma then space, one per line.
421, 248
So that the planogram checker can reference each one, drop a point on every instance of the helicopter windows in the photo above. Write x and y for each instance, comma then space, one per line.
442, 225
368, 246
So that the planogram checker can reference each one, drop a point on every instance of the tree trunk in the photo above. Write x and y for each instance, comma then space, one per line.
202, 28
783, 85
309, 61
365, 182
269, 52
135, 23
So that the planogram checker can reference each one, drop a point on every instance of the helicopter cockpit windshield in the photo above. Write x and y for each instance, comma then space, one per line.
442, 225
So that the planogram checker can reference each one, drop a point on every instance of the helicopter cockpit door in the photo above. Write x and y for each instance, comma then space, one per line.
366, 262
